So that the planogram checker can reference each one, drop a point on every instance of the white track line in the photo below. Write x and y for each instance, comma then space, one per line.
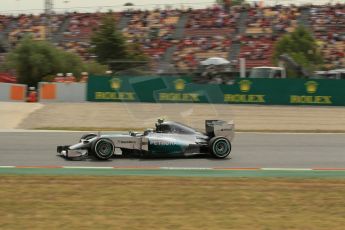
287, 169
185, 168
170, 168
85, 167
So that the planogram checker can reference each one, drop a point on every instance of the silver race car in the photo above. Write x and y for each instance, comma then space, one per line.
168, 139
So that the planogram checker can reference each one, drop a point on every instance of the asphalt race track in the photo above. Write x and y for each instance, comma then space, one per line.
250, 150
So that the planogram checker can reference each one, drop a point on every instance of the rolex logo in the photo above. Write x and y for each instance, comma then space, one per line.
115, 83
179, 84
311, 86
245, 85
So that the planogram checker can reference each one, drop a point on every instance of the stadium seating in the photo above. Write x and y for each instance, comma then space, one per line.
328, 25
81, 25
267, 20
257, 50
205, 32
78, 47
4, 22
153, 30
192, 50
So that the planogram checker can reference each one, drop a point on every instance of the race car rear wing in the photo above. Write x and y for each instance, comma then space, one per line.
216, 128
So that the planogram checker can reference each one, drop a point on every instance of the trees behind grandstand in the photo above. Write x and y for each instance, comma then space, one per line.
301, 46
111, 48
35, 61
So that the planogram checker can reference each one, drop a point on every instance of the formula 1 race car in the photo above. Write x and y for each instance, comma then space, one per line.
168, 139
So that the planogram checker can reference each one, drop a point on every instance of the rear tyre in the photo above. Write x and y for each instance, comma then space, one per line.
103, 149
220, 147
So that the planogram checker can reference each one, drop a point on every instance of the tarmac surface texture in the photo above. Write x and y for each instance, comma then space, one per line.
250, 150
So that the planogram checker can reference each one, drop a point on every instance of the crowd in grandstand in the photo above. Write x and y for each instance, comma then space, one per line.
257, 50
153, 30
186, 37
275, 19
81, 25
191, 50
328, 25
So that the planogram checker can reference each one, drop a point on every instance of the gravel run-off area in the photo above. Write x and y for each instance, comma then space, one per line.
143, 115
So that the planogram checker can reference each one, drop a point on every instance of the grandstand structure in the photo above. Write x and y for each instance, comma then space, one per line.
181, 38
48, 6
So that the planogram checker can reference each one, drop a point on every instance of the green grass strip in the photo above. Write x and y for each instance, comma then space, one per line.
174, 172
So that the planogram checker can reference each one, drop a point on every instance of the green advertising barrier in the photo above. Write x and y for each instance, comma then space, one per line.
240, 91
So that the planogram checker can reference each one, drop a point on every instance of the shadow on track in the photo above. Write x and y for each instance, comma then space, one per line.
146, 158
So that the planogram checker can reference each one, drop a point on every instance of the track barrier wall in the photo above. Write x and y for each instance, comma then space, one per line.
240, 91
62, 92
12, 92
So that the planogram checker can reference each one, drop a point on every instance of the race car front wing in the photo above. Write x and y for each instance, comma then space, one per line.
67, 153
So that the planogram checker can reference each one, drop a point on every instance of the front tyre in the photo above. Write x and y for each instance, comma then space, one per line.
103, 149
220, 147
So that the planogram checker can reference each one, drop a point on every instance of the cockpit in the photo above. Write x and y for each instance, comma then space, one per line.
173, 127
167, 127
